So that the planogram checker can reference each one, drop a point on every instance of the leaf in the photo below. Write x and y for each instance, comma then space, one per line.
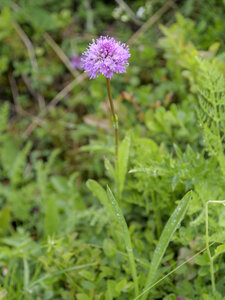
16, 174
222, 218
34, 14
123, 157
110, 168
118, 216
219, 250
99, 192
60, 183
4, 220
166, 236
51, 216
82, 296
4, 116
112, 206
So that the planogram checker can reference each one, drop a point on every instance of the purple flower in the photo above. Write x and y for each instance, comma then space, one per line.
105, 56
76, 62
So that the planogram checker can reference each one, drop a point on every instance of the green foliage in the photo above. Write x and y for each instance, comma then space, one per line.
166, 236
56, 240
51, 216
112, 206
211, 112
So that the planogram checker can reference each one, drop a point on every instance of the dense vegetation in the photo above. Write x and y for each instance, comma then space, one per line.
73, 226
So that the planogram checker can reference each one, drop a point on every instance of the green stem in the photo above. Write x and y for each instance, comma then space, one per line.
208, 250
115, 120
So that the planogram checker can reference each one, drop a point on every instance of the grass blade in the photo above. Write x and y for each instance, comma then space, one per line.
60, 272
168, 231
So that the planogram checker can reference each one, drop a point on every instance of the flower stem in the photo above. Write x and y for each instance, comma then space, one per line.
115, 120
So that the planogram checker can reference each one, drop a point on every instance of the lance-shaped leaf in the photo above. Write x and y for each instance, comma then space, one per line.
166, 236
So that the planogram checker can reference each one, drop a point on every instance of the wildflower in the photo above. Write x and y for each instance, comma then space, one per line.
105, 56
76, 62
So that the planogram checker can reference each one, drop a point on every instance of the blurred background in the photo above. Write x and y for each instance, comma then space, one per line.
55, 131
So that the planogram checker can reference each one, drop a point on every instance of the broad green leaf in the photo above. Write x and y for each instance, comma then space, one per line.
109, 247
166, 236
87, 275
222, 218
60, 183
121, 285
123, 157
219, 250
82, 296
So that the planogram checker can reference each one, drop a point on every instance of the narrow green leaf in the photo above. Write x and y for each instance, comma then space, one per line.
168, 231
51, 216
64, 271
99, 192
110, 168
5, 220
123, 157
108, 200
118, 216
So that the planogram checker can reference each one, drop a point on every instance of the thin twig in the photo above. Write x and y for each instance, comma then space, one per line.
15, 93
27, 42
36, 94
66, 90
30, 49
151, 21
60, 54
129, 11
56, 100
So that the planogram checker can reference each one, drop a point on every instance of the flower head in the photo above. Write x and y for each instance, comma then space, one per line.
76, 62
105, 56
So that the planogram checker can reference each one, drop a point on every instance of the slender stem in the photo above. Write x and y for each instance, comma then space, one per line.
208, 250
114, 118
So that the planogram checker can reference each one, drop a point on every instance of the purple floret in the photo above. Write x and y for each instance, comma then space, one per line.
105, 56
76, 62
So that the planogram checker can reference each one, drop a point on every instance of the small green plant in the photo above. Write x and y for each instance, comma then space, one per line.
211, 89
